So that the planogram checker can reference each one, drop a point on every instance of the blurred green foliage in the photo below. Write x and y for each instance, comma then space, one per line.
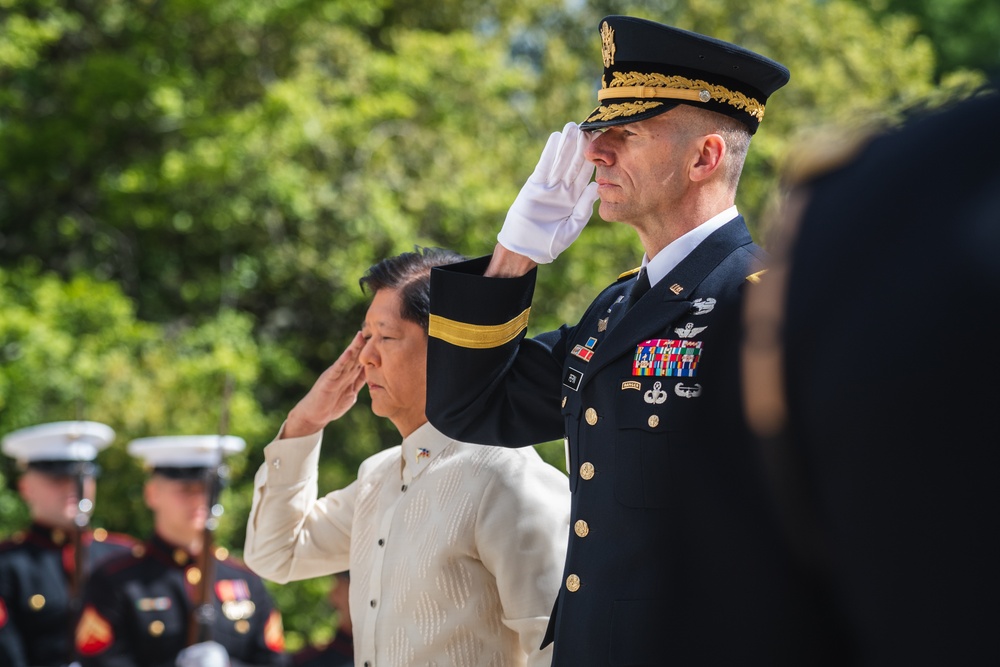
191, 189
965, 33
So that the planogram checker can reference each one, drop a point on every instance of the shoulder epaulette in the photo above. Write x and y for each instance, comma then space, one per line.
223, 556
630, 272
118, 563
121, 539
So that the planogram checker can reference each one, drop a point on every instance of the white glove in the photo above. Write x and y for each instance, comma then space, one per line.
556, 203
205, 654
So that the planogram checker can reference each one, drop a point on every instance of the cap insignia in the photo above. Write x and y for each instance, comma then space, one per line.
608, 44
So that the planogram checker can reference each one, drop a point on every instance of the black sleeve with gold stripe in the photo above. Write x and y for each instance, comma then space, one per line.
486, 382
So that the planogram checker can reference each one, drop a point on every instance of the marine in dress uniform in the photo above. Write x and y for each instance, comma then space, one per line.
137, 608
674, 554
39, 587
863, 340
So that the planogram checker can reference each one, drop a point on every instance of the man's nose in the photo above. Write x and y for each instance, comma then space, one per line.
368, 354
597, 150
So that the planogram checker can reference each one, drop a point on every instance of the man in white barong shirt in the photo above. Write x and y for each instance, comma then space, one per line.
455, 550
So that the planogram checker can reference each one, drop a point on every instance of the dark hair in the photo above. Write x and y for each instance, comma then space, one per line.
410, 274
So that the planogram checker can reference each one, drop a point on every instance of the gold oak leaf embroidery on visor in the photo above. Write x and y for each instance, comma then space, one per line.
654, 85
477, 336
624, 109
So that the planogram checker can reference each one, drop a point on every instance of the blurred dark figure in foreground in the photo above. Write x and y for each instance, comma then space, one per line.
340, 651
871, 360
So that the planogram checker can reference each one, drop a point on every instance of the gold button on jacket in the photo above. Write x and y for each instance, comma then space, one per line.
572, 583
581, 528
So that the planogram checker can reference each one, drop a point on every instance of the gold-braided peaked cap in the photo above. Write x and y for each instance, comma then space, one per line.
650, 68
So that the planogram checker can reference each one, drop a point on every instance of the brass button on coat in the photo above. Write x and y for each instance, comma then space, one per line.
587, 470
193, 576
156, 628
36, 602
572, 583
654, 421
581, 528
591, 416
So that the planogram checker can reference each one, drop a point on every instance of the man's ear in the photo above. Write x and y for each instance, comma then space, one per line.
149, 494
24, 487
711, 151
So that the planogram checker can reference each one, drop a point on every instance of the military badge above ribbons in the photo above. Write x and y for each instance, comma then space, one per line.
665, 357
234, 594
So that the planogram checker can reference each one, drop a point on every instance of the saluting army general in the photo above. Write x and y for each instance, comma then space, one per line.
137, 609
674, 557
42, 568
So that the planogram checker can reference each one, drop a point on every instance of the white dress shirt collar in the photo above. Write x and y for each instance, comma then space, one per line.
667, 259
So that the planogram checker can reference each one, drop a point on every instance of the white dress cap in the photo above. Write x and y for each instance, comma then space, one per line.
185, 451
58, 441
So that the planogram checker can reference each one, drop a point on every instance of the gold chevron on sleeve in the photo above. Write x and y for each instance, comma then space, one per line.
477, 336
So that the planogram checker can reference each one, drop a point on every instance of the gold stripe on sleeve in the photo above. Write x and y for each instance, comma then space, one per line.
477, 336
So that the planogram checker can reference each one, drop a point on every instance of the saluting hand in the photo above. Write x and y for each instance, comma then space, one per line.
556, 202
331, 396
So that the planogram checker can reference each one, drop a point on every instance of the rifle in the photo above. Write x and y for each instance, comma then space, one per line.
201, 622
81, 549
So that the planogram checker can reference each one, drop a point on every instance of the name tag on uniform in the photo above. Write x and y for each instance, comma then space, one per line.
573, 378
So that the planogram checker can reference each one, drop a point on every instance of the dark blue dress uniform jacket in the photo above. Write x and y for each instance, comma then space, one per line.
674, 557
136, 611
36, 624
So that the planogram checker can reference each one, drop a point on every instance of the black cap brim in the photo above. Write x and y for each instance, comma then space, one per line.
65, 468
